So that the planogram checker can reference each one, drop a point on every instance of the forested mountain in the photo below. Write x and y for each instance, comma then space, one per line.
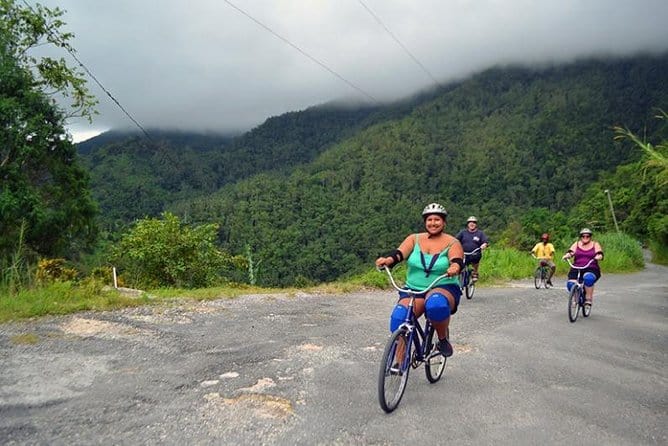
134, 176
320, 193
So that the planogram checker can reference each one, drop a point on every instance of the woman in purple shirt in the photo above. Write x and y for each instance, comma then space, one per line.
584, 251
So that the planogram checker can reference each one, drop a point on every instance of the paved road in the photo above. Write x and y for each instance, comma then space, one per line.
301, 370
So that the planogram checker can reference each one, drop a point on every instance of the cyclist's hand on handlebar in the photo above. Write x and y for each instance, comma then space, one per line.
452, 271
384, 261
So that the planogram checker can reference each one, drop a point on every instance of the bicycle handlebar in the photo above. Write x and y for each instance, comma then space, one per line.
472, 252
578, 267
408, 290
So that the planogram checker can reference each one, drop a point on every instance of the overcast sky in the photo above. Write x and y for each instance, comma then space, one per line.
204, 65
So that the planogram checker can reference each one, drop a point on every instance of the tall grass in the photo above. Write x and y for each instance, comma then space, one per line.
659, 252
622, 253
16, 273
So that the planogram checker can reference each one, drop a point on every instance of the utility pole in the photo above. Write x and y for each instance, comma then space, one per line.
612, 210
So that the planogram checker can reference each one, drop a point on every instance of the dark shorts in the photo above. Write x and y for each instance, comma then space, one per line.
573, 273
450, 287
473, 258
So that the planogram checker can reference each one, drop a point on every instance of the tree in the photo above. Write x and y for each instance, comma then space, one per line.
43, 185
23, 28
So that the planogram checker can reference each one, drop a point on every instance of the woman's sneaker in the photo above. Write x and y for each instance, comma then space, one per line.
445, 347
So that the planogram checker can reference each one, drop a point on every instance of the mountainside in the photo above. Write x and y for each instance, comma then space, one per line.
133, 176
498, 145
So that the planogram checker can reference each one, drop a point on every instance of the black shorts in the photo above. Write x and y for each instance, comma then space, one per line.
473, 258
573, 273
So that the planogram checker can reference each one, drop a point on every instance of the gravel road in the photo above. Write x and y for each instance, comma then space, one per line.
302, 370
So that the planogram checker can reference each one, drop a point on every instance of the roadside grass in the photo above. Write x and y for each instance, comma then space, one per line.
62, 298
499, 265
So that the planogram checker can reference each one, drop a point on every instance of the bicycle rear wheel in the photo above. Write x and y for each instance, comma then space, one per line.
573, 303
434, 363
394, 368
537, 278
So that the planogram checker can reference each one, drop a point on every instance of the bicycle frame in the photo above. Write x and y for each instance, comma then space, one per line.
544, 269
579, 288
409, 346
417, 335
468, 268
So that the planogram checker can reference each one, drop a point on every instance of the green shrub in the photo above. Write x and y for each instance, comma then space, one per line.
164, 252
54, 270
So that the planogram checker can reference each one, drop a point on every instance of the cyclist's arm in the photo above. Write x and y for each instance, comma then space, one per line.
598, 250
456, 257
485, 241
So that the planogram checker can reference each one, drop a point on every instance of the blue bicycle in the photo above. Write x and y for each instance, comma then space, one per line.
467, 285
410, 345
576, 298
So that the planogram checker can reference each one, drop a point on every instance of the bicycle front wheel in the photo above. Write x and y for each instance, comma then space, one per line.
434, 364
537, 278
470, 289
546, 275
394, 368
573, 303
586, 310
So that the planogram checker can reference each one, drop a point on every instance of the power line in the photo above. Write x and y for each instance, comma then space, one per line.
92, 76
415, 59
304, 53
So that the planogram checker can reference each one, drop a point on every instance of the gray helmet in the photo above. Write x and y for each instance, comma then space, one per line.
472, 219
434, 208
586, 231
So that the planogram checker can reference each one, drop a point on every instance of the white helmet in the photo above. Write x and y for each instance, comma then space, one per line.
472, 219
434, 208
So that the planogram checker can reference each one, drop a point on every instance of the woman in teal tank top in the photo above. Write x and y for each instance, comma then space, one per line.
428, 255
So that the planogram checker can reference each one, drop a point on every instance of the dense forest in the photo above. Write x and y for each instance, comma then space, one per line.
126, 167
317, 194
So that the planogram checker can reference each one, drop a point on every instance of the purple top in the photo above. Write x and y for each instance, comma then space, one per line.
583, 256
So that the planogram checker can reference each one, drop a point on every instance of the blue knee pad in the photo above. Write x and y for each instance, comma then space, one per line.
437, 307
570, 285
589, 278
397, 317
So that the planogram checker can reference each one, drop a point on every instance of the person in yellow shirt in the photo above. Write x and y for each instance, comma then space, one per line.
544, 250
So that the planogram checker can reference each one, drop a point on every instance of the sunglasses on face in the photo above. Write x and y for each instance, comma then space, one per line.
585, 236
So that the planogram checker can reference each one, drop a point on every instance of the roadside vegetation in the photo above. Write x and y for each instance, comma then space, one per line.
57, 292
